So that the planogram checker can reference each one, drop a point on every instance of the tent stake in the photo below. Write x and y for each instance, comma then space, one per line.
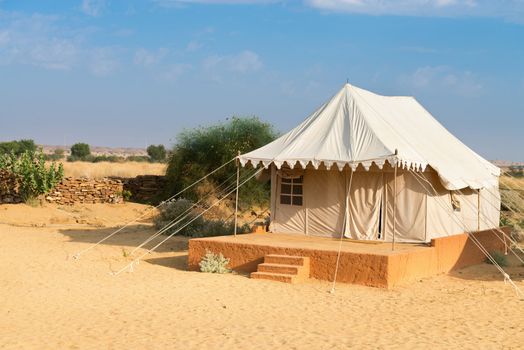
236, 195
394, 203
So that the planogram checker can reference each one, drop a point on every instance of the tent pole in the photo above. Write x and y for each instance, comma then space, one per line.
236, 195
478, 209
394, 203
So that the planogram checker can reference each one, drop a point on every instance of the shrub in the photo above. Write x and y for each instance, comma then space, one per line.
201, 150
79, 151
499, 258
183, 210
105, 158
126, 195
157, 153
214, 263
35, 178
17, 147
57, 154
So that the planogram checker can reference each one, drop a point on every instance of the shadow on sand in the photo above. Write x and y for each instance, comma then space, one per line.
488, 272
131, 237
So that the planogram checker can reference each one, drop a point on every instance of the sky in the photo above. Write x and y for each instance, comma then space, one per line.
132, 73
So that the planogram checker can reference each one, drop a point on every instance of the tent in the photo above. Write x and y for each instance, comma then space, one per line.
355, 165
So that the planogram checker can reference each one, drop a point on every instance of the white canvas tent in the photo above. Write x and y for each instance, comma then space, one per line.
335, 173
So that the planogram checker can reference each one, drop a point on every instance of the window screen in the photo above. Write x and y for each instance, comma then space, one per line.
291, 191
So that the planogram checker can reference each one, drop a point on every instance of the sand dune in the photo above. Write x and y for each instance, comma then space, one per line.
50, 301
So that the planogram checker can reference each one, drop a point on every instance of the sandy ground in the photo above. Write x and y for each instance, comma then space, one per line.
51, 301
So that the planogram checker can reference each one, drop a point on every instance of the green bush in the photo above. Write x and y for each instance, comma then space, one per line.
200, 151
104, 158
35, 178
57, 155
214, 263
183, 210
157, 153
17, 147
80, 151
499, 258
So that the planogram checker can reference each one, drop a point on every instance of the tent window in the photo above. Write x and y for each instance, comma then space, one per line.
291, 191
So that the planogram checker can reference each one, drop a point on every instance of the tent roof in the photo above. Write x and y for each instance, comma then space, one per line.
357, 126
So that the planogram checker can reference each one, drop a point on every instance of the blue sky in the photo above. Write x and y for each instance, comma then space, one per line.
130, 73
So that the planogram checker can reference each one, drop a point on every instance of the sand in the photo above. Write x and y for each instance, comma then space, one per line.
50, 301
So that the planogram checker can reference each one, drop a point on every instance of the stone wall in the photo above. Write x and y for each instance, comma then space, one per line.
82, 190
144, 188
9, 188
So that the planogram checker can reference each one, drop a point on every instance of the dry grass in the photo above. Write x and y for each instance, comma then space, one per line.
105, 169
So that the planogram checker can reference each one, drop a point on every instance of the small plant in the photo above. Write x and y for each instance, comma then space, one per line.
214, 263
35, 177
499, 258
126, 194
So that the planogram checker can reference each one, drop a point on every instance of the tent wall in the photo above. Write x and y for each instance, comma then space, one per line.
410, 208
324, 202
489, 207
365, 199
420, 215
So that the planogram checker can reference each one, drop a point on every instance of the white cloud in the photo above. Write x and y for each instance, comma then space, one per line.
243, 62
103, 61
193, 45
148, 58
512, 10
176, 3
54, 54
509, 9
444, 78
174, 71
93, 7
37, 40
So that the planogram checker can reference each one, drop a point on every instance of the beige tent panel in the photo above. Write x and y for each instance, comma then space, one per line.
410, 208
364, 204
489, 207
324, 198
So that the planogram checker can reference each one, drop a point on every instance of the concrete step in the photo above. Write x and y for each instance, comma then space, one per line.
286, 260
280, 268
278, 277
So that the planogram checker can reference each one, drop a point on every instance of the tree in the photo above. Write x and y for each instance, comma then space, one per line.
80, 151
157, 153
17, 147
199, 151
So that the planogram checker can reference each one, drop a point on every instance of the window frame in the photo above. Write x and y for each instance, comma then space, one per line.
294, 194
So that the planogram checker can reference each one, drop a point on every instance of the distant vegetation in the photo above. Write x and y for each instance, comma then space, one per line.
157, 153
199, 151
79, 151
82, 152
17, 147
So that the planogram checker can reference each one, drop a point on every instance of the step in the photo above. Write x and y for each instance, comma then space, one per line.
280, 268
286, 260
278, 277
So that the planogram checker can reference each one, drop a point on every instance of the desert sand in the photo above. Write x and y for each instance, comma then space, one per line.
51, 301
